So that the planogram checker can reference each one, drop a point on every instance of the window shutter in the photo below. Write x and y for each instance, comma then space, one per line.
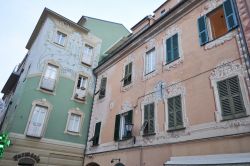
175, 120
171, 118
146, 117
230, 14
37, 122
203, 33
232, 105
169, 50
178, 112
151, 118
103, 88
97, 133
175, 47
117, 128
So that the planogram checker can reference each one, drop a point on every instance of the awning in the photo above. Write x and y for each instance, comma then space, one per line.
220, 159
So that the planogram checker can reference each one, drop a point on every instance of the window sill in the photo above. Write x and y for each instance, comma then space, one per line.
44, 90
219, 40
146, 74
234, 118
59, 44
124, 139
176, 129
167, 63
148, 134
72, 133
33, 137
86, 64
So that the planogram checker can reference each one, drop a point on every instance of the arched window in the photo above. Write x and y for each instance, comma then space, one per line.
119, 164
26, 161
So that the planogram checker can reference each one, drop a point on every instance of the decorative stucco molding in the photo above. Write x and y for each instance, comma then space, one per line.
224, 70
169, 33
210, 5
220, 40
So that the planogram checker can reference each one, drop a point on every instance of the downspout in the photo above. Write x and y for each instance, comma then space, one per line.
85, 149
247, 59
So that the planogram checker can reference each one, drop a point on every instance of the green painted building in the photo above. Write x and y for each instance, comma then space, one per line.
49, 96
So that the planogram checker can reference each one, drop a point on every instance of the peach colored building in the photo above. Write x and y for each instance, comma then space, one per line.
175, 91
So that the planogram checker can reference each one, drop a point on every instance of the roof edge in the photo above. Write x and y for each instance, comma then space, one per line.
41, 20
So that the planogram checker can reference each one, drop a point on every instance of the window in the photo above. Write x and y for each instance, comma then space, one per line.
37, 121
217, 23
121, 121
49, 78
231, 100
74, 123
175, 120
102, 91
172, 49
148, 126
60, 38
81, 87
96, 136
150, 61
128, 74
163, 12
87, 54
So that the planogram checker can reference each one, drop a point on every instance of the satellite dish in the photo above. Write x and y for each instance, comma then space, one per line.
2, 105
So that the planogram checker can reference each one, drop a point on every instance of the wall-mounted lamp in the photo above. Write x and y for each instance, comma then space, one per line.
129, 128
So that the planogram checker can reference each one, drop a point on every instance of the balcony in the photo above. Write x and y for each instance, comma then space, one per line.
12, 81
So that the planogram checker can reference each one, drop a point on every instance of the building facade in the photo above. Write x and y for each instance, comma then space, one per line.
50, 95
176, 91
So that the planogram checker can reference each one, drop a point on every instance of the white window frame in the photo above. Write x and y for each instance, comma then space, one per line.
49, 63
88, 54
173, 91
224, 71
42, 103
122, 128
78, 112
59, 36
150, 61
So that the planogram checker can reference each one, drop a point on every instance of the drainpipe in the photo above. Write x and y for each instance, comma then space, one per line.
247, 59
85, 149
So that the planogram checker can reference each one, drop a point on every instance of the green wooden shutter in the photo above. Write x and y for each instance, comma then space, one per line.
224, 96
117, 128
175, 47
175, 120
203, 33
178, 112
151, 124
171, 117
239, 108
146, 116
169, 50
128, 74
103, 88
230, 14
97, 133
230, 95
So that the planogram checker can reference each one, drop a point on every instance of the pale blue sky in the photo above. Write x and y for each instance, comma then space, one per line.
19, 18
